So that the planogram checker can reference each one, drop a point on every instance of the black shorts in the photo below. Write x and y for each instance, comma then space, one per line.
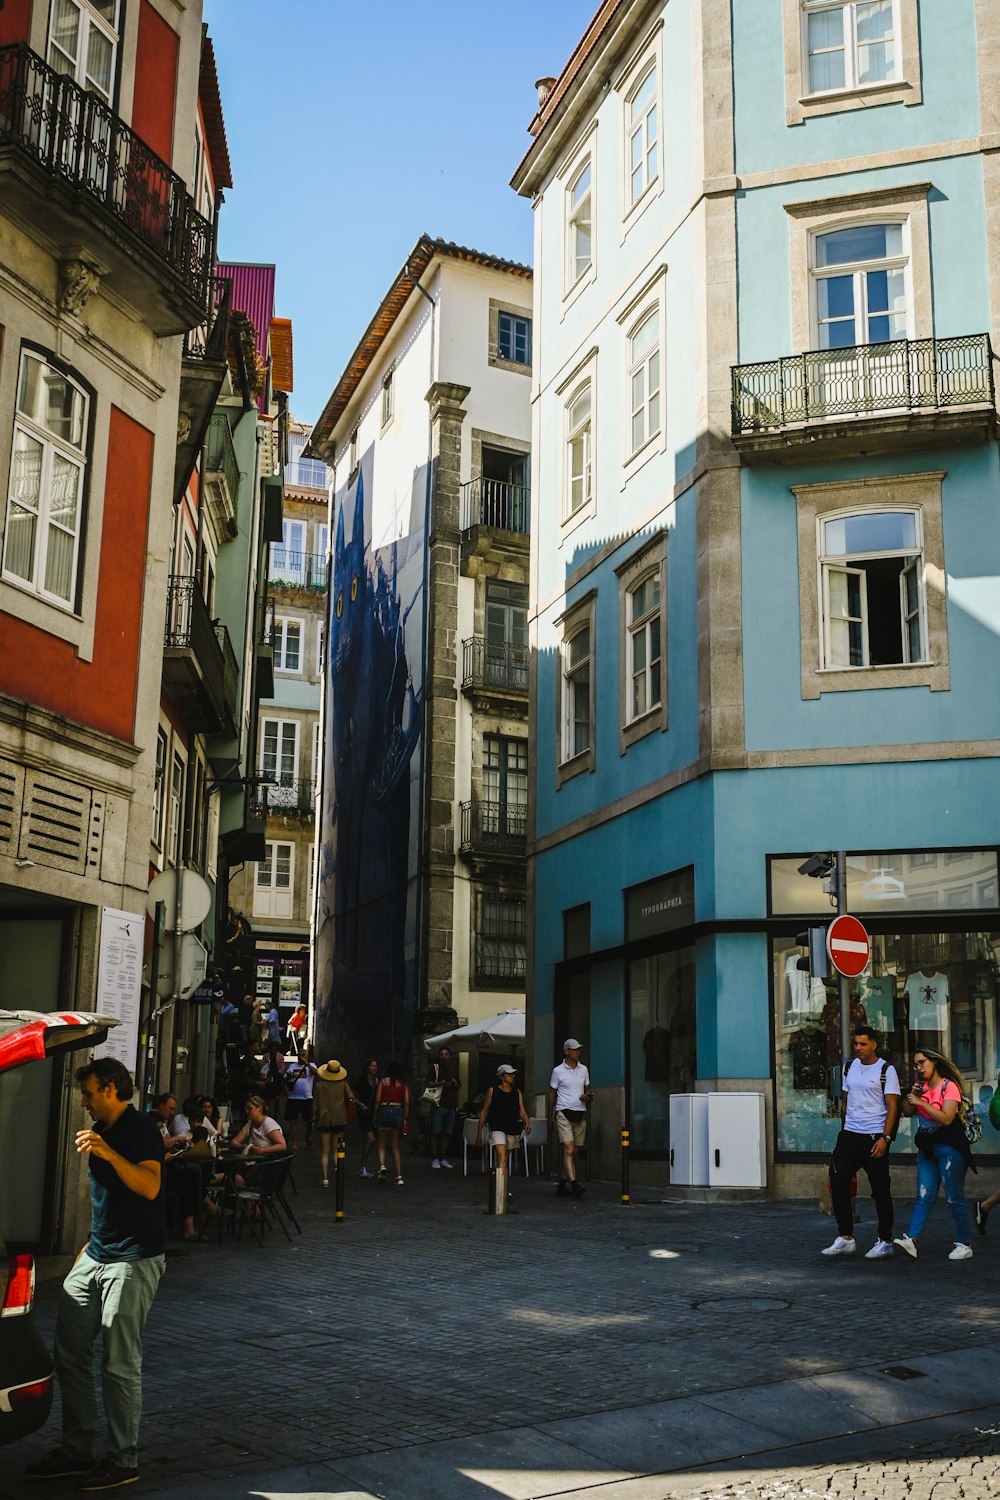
299, 1109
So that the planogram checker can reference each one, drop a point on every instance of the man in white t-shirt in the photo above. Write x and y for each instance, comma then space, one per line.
569, 1095
869, 1110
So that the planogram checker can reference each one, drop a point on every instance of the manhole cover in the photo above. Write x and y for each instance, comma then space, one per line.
903, 1372
743, 1304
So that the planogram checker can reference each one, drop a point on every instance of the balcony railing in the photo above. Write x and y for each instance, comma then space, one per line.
494, 828
209, 341
497, 665
284, 796
300, 570
496, 503
202, 669
865, 380
220, 456
76, 138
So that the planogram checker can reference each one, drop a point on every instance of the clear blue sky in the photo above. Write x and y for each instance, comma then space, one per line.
356, 125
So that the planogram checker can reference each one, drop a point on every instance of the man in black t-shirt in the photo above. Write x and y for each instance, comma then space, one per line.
111, 1286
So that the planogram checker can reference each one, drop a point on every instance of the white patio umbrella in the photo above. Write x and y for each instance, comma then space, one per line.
505, 1028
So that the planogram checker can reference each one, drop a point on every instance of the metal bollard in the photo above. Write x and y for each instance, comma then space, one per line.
498, 1191
625, 1145
341, 1174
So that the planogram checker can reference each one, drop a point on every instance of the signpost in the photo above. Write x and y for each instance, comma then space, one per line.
849, 946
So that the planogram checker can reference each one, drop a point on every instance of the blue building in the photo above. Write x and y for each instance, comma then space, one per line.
764, 597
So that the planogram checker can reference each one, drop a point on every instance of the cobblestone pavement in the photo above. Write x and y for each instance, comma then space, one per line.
420, 1320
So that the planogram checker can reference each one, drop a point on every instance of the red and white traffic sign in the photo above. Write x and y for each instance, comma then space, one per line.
848, 945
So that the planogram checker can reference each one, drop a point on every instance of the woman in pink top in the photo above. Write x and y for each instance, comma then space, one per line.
943, 1152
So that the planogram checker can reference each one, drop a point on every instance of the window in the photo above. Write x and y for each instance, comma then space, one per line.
279, 760
850, 45
47, 472
388, 396
83, 42
159, 786
196, 785
353, 454
175, 810
579, 451
317, 749
500, 951
514, 338
273, 894
320, 637
579, 212
288, 557
860, 275
872, 589
644, 382
577, 727
645, 664
642, 126
287, 645
505, 786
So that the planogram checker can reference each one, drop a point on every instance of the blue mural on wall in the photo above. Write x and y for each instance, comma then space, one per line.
366, 934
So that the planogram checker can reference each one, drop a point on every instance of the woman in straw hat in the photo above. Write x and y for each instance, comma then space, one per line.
331, 1097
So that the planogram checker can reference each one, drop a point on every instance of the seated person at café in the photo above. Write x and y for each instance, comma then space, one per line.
261, 1135
164, 1109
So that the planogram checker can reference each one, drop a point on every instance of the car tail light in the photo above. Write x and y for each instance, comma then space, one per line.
22, 1394
20, 1293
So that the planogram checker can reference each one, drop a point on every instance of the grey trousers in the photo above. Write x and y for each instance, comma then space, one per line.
111, 1300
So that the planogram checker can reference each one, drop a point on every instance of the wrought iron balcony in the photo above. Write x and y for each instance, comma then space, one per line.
296, 570
494, 828
94, 167
497, 504
925, 382
283, 796
199, 664
494, 667
209, 341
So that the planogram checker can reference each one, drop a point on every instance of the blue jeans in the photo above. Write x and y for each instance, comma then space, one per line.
948, 1166
110, 1300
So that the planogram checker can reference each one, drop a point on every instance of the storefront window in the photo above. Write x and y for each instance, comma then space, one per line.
922, 989
661, 1043
919, 881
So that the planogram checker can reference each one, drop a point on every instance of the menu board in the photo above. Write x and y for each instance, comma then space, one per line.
119, 982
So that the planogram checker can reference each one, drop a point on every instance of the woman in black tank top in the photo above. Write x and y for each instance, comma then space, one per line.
503, 1113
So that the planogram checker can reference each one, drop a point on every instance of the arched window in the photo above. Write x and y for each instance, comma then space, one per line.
579, 197
579, 454
644, 382
642, 129
645, 657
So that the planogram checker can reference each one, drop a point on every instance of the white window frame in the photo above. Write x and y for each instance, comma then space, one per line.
650, 139
650, 299
574, 217
52, 447
282, 572
268, 899
579, 450
175, 806
648, 367
514, 318
851, 48
649, 561
859, 272
317, 750
643, 627
647, 56
802, 104
320, 641
159, 785
388, 395
842, 565
352, 457
570, 760
89, 20
282, 624
275, 788
820, 502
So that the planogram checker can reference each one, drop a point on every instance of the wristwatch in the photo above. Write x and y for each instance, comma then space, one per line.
887, 1139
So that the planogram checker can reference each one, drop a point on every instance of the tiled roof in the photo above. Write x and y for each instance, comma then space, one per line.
392, 304
211, 110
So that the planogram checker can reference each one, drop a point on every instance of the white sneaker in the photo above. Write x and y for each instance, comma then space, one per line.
961, 1252
879, 1250
399, 1182
435, 1164
446, 1163
905, 1243
840, 1246
325, 1182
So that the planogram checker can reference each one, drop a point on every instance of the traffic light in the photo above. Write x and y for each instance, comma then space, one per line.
818, 962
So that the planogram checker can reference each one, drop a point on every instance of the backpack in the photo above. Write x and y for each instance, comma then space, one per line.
970, 1121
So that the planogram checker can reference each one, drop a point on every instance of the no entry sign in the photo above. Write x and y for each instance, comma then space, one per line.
848, 945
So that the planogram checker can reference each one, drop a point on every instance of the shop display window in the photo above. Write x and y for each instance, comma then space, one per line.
922, 989
662, 1041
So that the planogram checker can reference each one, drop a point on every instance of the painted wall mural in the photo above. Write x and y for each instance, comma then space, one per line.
366, 940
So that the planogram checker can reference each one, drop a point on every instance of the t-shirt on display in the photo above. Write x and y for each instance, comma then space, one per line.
928, 997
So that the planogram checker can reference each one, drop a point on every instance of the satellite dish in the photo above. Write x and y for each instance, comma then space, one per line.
196, 898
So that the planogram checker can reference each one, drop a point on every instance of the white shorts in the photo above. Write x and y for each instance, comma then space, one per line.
501, 1138
570, 1132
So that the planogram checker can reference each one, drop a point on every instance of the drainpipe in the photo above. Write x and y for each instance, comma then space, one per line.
424, 633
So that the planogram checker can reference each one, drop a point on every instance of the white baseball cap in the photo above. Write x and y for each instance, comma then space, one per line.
571, 1044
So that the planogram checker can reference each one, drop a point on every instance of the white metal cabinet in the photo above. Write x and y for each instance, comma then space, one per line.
689, 1139
736, 1155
